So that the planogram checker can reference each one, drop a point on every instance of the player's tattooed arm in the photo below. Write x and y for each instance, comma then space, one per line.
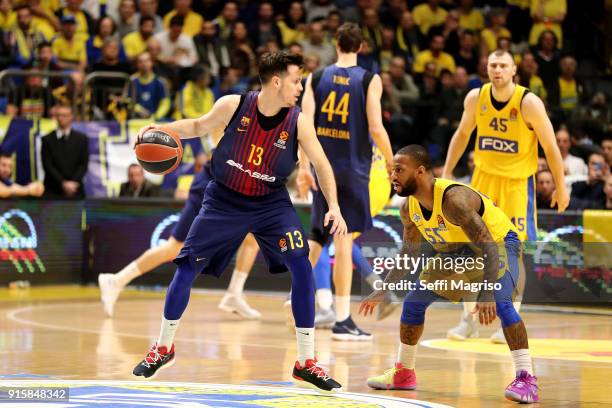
461, 206
411, 245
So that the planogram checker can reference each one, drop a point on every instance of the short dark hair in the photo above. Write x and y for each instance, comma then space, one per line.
177, 21
144, 19
275, 63
598, 152
542, 172
22, 7
199, 71
43, 45
4, 155
417, 153
349, 37
541, 38
99, 24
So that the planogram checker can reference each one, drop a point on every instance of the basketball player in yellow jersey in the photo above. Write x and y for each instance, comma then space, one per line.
462, 225
510, 121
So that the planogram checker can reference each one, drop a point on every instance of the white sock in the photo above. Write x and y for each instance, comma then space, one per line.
127, 274
167, 332
343, 308
517, 306
468, 307
236, 285
305, 344
522, 360
407, 355
324, 299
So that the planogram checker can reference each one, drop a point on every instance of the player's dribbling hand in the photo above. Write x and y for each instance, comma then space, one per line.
338, 226
142, 132
368, 304
561, 198
486, 312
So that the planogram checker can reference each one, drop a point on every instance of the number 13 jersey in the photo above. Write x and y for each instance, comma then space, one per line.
252, 160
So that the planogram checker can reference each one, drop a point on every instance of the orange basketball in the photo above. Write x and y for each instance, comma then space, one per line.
159, 151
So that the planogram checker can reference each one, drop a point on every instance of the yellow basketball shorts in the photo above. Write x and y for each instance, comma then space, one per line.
380, 191
515, 197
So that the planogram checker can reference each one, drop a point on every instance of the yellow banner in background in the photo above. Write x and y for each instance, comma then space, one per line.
597, 232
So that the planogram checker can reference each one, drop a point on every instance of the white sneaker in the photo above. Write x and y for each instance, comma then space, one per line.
325, 318
237, 304
109, 292
467, 328
498, 337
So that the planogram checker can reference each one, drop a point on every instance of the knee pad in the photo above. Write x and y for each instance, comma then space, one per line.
413, 312
507, 313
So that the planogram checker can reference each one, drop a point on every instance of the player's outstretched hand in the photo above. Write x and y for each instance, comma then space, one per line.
561, 198
338, 226
486, 312
305, 181
142, 132
368, 304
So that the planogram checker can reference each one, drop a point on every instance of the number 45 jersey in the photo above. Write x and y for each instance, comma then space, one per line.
505, 145
341, 121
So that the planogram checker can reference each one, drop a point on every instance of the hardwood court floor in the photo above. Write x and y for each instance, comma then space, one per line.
61, 332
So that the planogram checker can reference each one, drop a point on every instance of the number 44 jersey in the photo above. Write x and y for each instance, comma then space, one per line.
341, 121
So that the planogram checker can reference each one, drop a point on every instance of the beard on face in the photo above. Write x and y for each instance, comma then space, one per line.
408, 188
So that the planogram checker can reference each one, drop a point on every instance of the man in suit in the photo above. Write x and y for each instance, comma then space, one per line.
65, 155
137, 185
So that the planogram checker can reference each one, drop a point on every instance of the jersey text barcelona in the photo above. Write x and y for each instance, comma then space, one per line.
341, 121
254, 161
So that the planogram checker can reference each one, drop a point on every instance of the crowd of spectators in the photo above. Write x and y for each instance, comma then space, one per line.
181, 56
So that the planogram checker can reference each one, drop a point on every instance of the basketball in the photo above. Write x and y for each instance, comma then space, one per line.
159, 151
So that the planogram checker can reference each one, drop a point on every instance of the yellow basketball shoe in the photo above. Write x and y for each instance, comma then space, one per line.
396, 378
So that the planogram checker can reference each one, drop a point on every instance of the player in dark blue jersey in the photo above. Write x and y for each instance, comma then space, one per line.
344, 101
250, 165
111, 284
